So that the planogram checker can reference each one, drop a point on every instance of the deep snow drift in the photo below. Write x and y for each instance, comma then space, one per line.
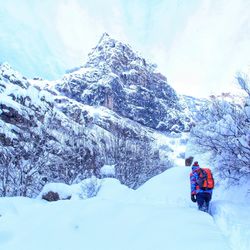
159, 215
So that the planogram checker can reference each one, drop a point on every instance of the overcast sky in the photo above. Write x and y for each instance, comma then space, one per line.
199, 45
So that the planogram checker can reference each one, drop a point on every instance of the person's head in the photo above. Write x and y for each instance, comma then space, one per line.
195, 166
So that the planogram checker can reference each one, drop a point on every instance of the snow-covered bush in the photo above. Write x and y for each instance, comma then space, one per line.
136, 161
59, 191
56, 191
89, 187
51, 196
224, 130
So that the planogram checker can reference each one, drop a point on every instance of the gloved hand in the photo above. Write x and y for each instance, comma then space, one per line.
193, 197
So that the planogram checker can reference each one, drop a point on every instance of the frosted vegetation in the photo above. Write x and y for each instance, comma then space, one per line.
223, 129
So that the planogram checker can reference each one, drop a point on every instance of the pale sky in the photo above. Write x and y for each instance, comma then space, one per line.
199, 45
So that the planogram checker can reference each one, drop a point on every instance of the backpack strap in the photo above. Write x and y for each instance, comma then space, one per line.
204, 173
202, 176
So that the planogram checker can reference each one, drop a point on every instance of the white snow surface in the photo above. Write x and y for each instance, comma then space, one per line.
108, 170
159, 215
230, 210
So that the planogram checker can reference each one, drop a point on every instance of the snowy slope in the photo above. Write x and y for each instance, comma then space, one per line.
158, 216
233, 220
230, 210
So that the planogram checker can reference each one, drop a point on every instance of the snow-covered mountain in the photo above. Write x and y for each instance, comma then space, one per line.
106, 112
117, 78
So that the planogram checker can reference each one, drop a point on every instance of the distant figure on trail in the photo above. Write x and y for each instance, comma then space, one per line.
202, 184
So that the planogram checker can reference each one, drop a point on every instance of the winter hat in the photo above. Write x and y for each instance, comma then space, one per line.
195, 165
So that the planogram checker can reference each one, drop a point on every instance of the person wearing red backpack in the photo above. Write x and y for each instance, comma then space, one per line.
202, 184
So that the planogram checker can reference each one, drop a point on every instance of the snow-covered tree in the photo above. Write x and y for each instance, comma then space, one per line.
224, 130
135, 159
77, 160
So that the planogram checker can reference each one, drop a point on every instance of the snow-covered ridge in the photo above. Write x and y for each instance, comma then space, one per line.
8, 73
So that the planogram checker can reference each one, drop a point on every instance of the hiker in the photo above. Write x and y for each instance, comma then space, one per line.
202, 184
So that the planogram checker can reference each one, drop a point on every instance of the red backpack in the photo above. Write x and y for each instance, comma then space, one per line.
205, 180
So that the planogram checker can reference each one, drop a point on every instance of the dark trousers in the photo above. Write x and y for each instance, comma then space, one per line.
203, 200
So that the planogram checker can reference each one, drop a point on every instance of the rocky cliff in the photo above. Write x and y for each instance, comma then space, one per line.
118, 78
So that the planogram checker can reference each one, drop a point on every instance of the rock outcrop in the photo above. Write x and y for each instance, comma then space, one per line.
119, 79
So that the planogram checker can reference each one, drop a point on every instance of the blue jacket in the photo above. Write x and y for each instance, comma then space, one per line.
195, 189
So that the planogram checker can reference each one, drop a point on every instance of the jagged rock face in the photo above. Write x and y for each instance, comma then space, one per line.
117, 78
35, 137
7, 74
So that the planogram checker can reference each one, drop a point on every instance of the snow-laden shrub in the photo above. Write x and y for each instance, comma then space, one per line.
83, 190
89, 187
181, 155
183, 141
56, 191
224, 131
51, 196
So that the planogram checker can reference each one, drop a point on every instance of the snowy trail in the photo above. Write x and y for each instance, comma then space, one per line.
234, 221
156, 216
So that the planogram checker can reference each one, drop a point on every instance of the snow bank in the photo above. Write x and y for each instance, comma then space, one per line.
112, 189
62, 189
171, 187
118, 218
107, 188
85, 189
108, 171
230, 210
234, 221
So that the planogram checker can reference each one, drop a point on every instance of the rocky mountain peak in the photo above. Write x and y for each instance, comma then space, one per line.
105, 38
11, 75
116, 56
119, 79
7, 70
